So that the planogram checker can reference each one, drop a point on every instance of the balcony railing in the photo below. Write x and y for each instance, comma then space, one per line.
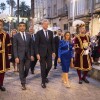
97, 6
63, 11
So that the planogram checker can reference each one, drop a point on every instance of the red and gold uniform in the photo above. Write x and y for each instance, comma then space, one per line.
82, 62
5, 51
82, 56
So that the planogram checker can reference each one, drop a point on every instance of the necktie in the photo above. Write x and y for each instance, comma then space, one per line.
33, 37
25, 45
23, 37
46, 34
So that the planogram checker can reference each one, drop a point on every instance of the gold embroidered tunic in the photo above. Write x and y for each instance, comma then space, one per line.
5, 50
82, 60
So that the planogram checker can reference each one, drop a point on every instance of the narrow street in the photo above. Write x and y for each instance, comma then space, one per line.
54, 91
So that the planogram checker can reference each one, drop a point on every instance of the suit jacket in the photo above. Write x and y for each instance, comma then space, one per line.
34, 43
57, 40
22, 49
44, 46
5, 50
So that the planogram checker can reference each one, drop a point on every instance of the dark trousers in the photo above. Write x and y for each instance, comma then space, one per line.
1, 78
79, 72
46, 64
33, 63
55, 61
24, 66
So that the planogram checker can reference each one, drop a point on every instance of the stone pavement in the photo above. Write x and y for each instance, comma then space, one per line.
55, 89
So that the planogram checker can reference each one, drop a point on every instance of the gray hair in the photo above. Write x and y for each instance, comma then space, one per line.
44, 20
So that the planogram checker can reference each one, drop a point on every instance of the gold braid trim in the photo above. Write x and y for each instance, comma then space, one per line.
81, 55
83, 69
3, 32
5, 70
76, 46
1, 51
81, 44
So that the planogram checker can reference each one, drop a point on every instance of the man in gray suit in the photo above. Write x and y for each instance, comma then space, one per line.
23, 52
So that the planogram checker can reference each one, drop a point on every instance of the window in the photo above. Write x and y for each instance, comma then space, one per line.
54, 24
55, 9
65, 26
80, 7
49, 12
97, 1
64, 3
71, 8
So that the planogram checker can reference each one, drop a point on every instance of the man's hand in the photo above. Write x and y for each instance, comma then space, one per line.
92, 59
71, 63
17, 60
53, 55
38, 56
59, 60
32, 58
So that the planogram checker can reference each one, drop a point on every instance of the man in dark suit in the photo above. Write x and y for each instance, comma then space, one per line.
45, 49
23, 52
56, 40
33, 36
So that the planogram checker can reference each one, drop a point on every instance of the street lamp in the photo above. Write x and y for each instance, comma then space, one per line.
73, 9
73, 17
74, 5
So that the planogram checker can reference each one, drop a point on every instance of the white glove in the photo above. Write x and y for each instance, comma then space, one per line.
86, 52
9, 57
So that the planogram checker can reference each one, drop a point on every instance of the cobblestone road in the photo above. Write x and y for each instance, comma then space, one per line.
54, 91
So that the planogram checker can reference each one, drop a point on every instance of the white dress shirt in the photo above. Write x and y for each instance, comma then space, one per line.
59, 37
45, 32
33, 37
22, 35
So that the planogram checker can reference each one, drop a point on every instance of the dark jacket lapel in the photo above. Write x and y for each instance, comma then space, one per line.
20, 36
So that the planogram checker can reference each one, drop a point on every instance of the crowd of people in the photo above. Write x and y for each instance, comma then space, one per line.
24, 49
95, 40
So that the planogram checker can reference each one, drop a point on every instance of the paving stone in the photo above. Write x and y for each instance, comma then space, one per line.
55, 89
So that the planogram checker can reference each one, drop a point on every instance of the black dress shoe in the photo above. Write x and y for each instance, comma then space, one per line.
55, 67
2, 88
80, 81
47, 81
85, 80
43, 85
23, 87
32, 72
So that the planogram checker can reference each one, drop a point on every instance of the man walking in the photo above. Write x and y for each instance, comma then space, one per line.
56, 41
33, 36
23, 52
5, 50
83, 59
44, 50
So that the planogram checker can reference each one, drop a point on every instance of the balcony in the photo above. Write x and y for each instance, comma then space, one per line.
97, 7
63, 11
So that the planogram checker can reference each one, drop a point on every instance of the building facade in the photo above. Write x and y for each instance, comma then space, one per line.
57, 13
95, 21
62, 13
82, 11
40, 11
